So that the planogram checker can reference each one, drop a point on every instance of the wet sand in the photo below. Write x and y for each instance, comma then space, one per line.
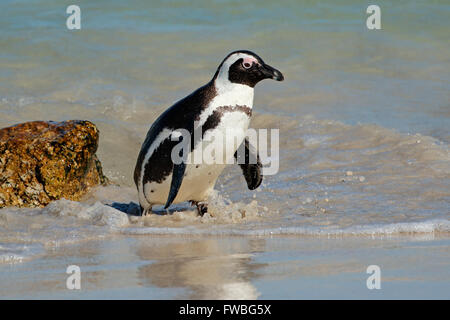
162, 267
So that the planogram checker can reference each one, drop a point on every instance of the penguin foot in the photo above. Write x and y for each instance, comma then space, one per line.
145, 212
202, 207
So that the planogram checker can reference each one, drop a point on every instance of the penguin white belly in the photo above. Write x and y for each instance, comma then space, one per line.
200, 178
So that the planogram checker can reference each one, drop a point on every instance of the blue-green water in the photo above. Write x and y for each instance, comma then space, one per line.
375, 102
397, 77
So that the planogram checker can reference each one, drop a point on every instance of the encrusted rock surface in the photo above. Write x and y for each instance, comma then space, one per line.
44, 161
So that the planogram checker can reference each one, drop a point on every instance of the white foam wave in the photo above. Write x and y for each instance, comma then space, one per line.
98, 213
423, 227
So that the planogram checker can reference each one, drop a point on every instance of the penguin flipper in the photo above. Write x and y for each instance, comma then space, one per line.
177, 178
252, 174
250, 164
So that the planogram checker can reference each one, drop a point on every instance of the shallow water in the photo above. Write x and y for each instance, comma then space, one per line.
167, 267
363, 115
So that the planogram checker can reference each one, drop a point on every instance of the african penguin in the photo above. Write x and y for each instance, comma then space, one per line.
224, 103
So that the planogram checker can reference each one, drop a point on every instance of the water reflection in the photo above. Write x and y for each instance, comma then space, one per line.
206, 268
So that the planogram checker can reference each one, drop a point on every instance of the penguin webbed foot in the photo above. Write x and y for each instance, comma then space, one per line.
202, 207
145, 212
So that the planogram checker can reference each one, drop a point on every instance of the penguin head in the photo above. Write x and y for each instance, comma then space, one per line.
246, 68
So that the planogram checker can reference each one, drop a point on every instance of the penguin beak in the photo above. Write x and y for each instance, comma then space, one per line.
271, 73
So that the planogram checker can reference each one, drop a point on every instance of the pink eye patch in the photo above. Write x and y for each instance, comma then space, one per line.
248, 62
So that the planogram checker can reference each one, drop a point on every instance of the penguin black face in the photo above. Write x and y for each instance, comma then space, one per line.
247, 68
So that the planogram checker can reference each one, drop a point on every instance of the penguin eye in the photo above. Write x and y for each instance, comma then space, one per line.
246, 65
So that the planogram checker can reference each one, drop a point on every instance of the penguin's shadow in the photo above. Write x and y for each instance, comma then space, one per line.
133, 209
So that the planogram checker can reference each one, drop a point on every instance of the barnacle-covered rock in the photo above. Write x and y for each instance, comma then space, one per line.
43, 161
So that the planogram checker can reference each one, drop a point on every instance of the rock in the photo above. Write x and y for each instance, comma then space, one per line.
44, 161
